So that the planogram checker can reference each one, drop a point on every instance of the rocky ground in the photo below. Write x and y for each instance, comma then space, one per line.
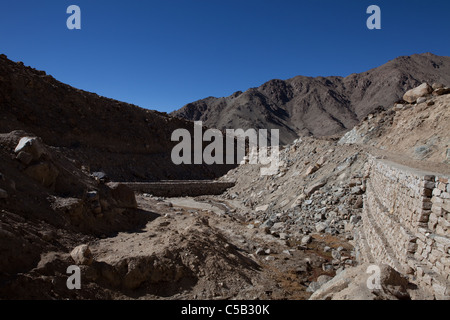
182, 253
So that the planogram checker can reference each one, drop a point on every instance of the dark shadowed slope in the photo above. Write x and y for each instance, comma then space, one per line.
127, 142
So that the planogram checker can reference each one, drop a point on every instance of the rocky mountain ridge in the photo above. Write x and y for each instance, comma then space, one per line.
320, 106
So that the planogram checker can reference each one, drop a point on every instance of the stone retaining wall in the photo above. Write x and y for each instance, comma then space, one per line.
185, 188
406, 224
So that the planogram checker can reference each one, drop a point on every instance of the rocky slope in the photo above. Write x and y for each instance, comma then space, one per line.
418, 131
126, 142
48, 204
319, 106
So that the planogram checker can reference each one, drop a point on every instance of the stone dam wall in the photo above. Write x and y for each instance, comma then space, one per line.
185, 188
406, 224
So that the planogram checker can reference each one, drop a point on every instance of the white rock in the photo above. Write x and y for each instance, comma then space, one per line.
306, 240
31, 145
262, 208
82, 255
321, 226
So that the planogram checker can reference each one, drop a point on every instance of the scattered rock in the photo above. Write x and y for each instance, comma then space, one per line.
82, 255
123, 195
421, 100
310, 170
267, 225
277, 226
356, 190
283, 236
262, 208
306, 240
321, 226
422, 151
412, 95
321, 161
100, 176
441, 91
336, 255
436, 86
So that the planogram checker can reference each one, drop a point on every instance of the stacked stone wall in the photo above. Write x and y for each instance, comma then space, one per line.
406, 224
186, 188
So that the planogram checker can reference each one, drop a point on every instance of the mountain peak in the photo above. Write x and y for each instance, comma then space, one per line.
320, 106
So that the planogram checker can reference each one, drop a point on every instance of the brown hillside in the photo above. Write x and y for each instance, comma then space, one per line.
319, 106
126, 142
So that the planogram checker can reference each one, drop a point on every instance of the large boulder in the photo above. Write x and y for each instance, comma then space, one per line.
437, 85
412, 95
123, 195
352, 284
30, 148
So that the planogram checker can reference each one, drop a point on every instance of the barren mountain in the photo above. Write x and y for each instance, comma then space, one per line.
319, 106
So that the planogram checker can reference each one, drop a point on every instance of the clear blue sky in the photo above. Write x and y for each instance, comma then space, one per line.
164, 54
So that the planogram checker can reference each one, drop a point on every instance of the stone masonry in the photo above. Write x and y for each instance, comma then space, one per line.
185, 188
406, 224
